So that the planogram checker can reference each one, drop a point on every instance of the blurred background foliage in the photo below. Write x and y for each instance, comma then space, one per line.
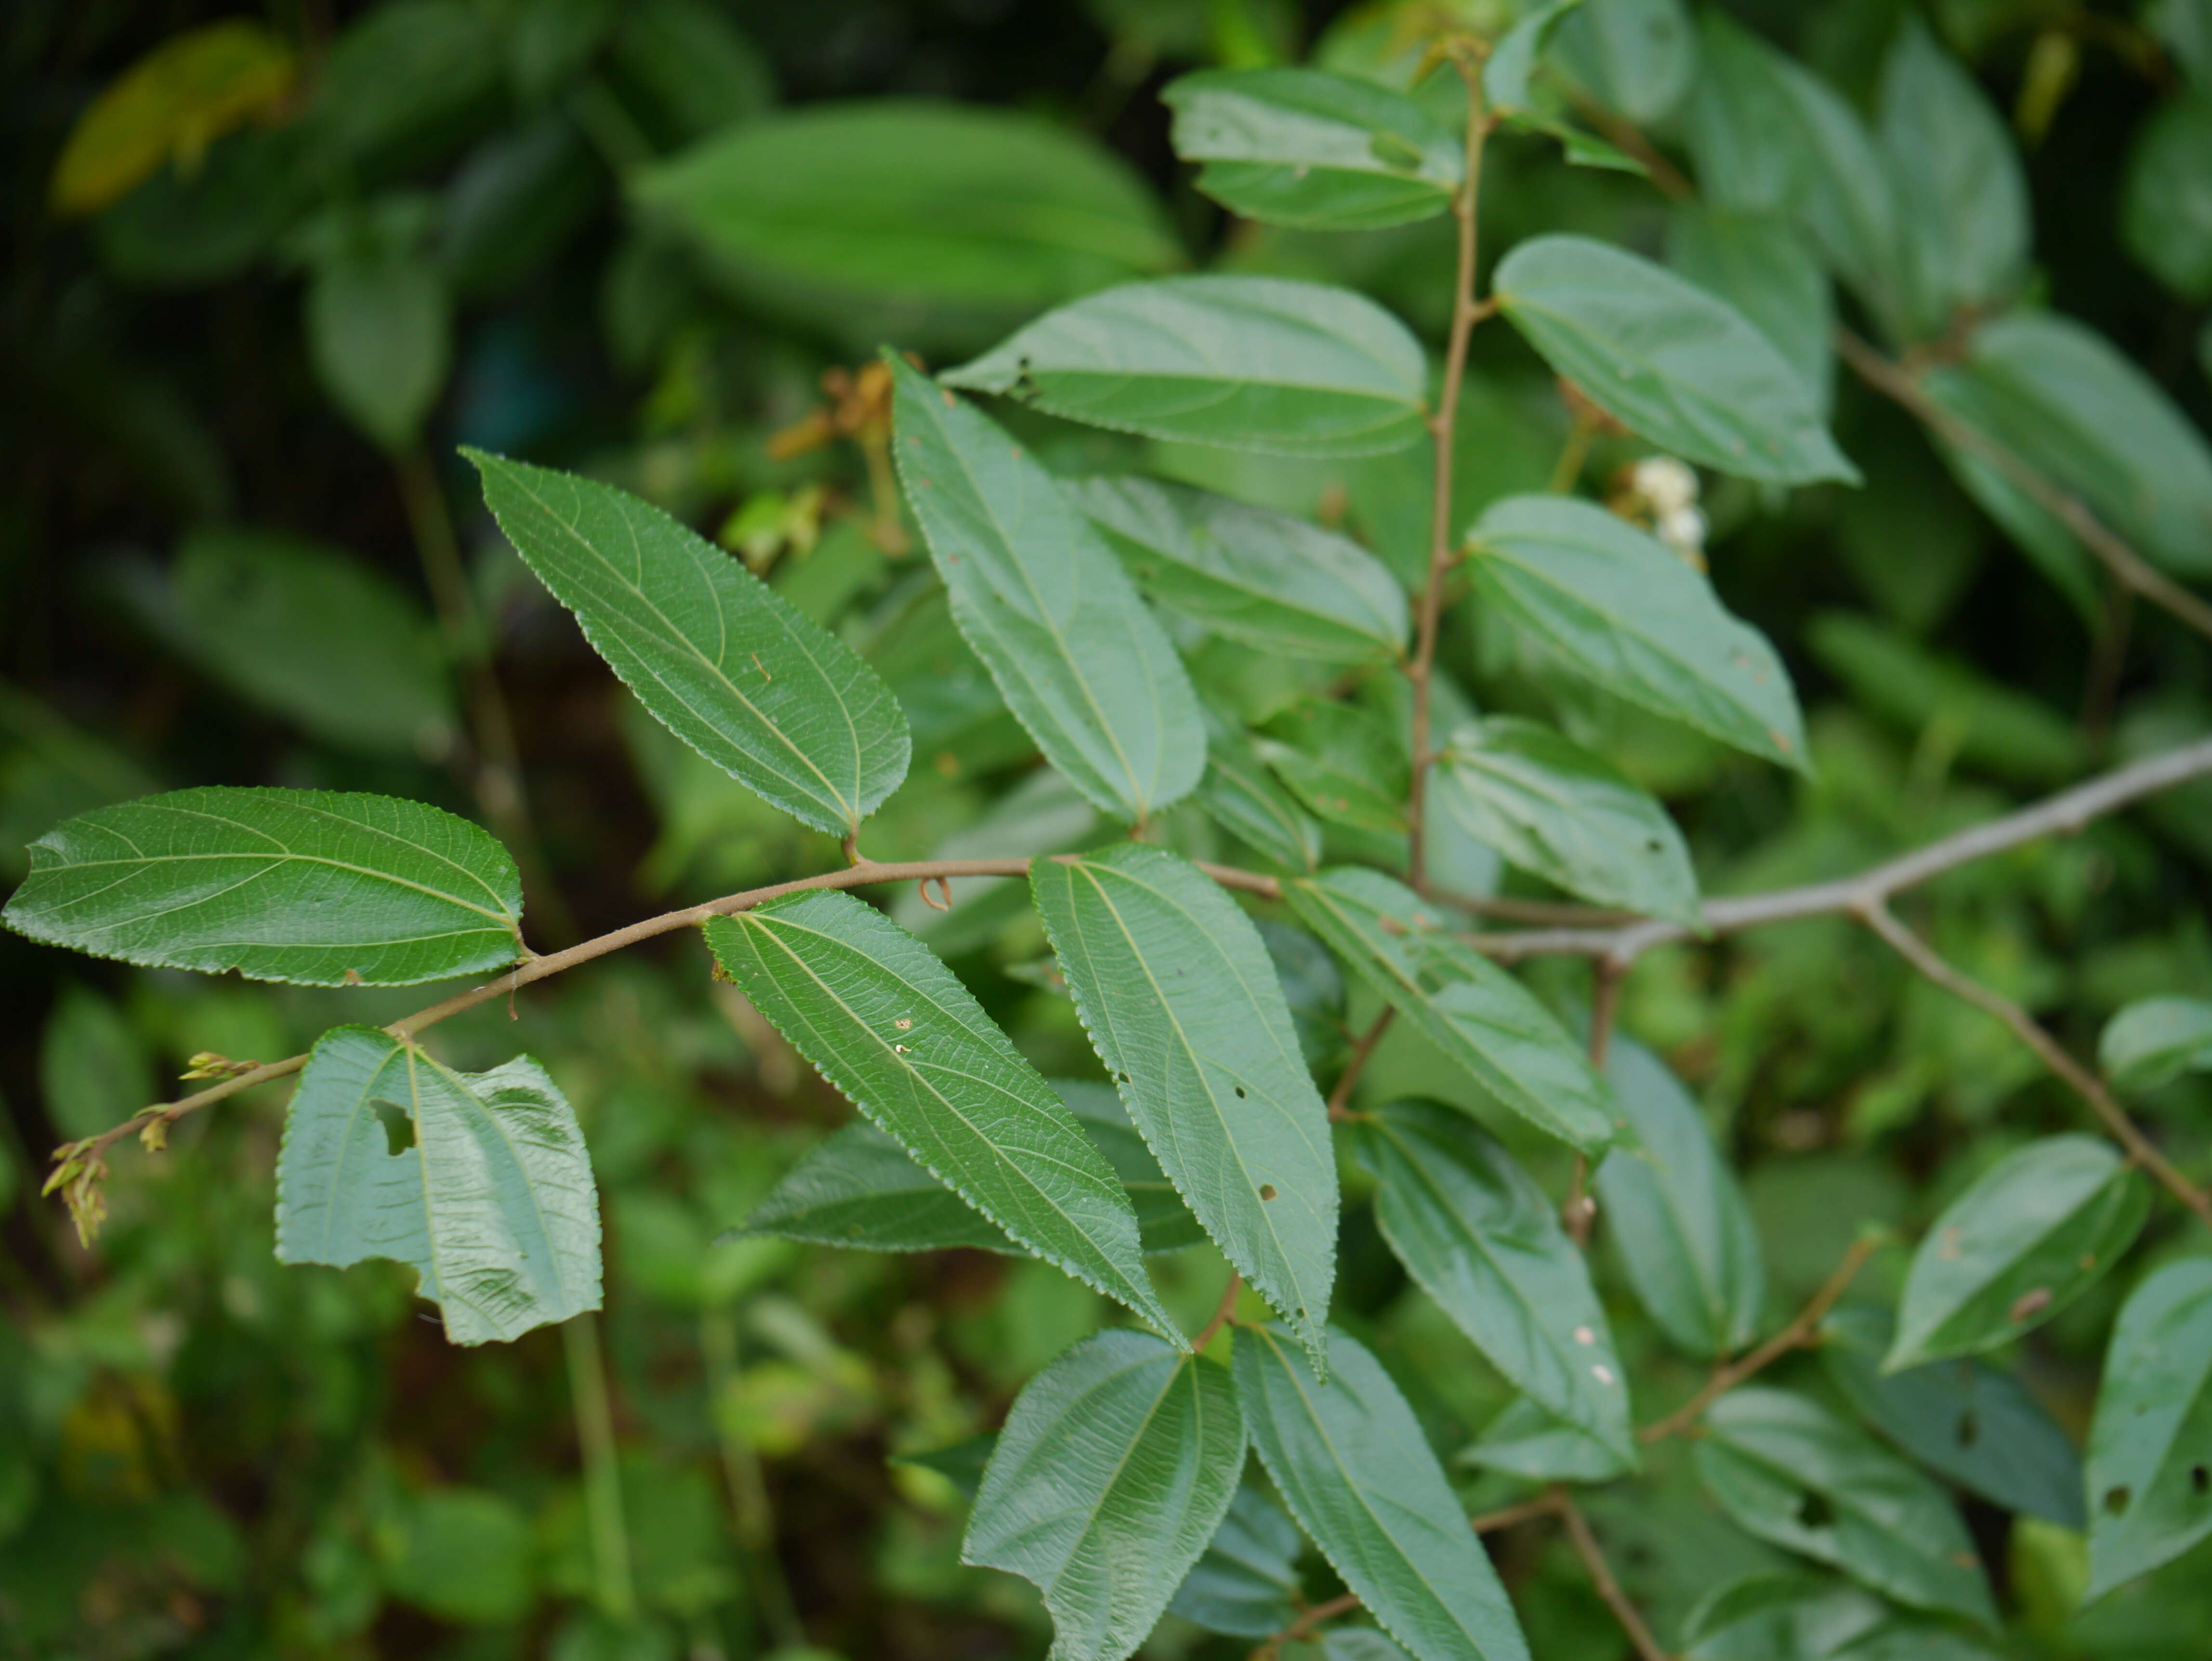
267, 268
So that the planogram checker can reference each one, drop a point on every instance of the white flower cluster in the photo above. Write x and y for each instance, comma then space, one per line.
1669, 489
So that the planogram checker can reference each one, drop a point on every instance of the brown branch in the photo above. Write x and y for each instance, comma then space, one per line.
1221, 1311
1340, 1099
1601, 1574
1343, 1603
1465, 313
1506, 1517
1804, 1329
1899, 384
2085, 1084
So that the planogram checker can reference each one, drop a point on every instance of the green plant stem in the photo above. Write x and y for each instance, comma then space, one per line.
1340, 1099
1443, 427
752, 1517
603, 1495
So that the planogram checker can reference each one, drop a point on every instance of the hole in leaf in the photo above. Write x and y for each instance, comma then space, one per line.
2200, 1480
398, 1127
1240, 1092
1266, 1190
2116, 1500
1814, 1511
1970, 1429
1121, 1078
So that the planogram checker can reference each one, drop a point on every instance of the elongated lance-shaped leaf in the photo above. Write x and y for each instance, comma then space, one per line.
311, 886
1312, 148
1080, 661
1621, 608
1116, 1465
1469, 1008
2150, 1447
2037, 1231
1243, 798
1182, 1004
1351, 1463
1276, 582
1568, 815
491, 1201
1676, 1214
1163, 1222
713, 653
1480, 1237
1246, 1583
884, 1021
1252, 363
1675, 363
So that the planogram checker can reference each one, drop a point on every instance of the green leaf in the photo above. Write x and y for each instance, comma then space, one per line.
2166, 196
1759, 265
1464, 1004
1621, 608
962, 1463
379, 327
1676, 1215
1484, 1243
1343, 761
94, 1069
1349, 1460
1669, 360
1533, 1443
686, 69
1079, 659
2155, 1041
1637, 57
2036, 1231
1276, 582
1182, 1004
336, 648
1313, 986
1794, 1474
1313, 149
891, 1028
2150, 1447
1243, 798
860, 1188
1506, 73
1803, 1617
1567, 815
1163, 1222
1116, 1465
944, 223
1252, 363
715, 656
385, 892
461, 1553
1246, 1583
2063, 399
490, 1198
1961, 192
1976, 1426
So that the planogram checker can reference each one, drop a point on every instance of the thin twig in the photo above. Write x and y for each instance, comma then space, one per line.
2053, 1055
1506, 1517
1804, 1329
1465, 311
1580, 1211
1343, 1603
1340, 1099
1601, 1574
1221, 1311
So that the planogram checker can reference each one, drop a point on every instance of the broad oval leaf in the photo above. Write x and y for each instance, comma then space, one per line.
2155, 1041
1676, 1214
379, 335
1080, 661
1484, 1243
2166, 196
1760, 264
1621, 608
491, 1201
1668, 359
1182, 1004
1976, 1426
1276, 582
1536, 1444
2031, 1235
942, 222
891, 1026
860, 1189
1466, 1006
311, 886
2150, 1447
1246, 1583
1116, 1465
1241, 796
1313, 149
716, 656
1349, 1458
1252, 363
1565, 814
1793, 1474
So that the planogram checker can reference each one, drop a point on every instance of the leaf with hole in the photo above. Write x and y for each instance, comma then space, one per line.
1350, 1461
1466, 1005
2036, 1231
2150, 1446
716, 656
478, 1181
1670, 360
1620, 609
2154, 1041
1079, 659
1182, 1005
1246, 1582
1313, 149
890, 1027
1251, 362
1793, 1474
311, 886
1117, 1464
